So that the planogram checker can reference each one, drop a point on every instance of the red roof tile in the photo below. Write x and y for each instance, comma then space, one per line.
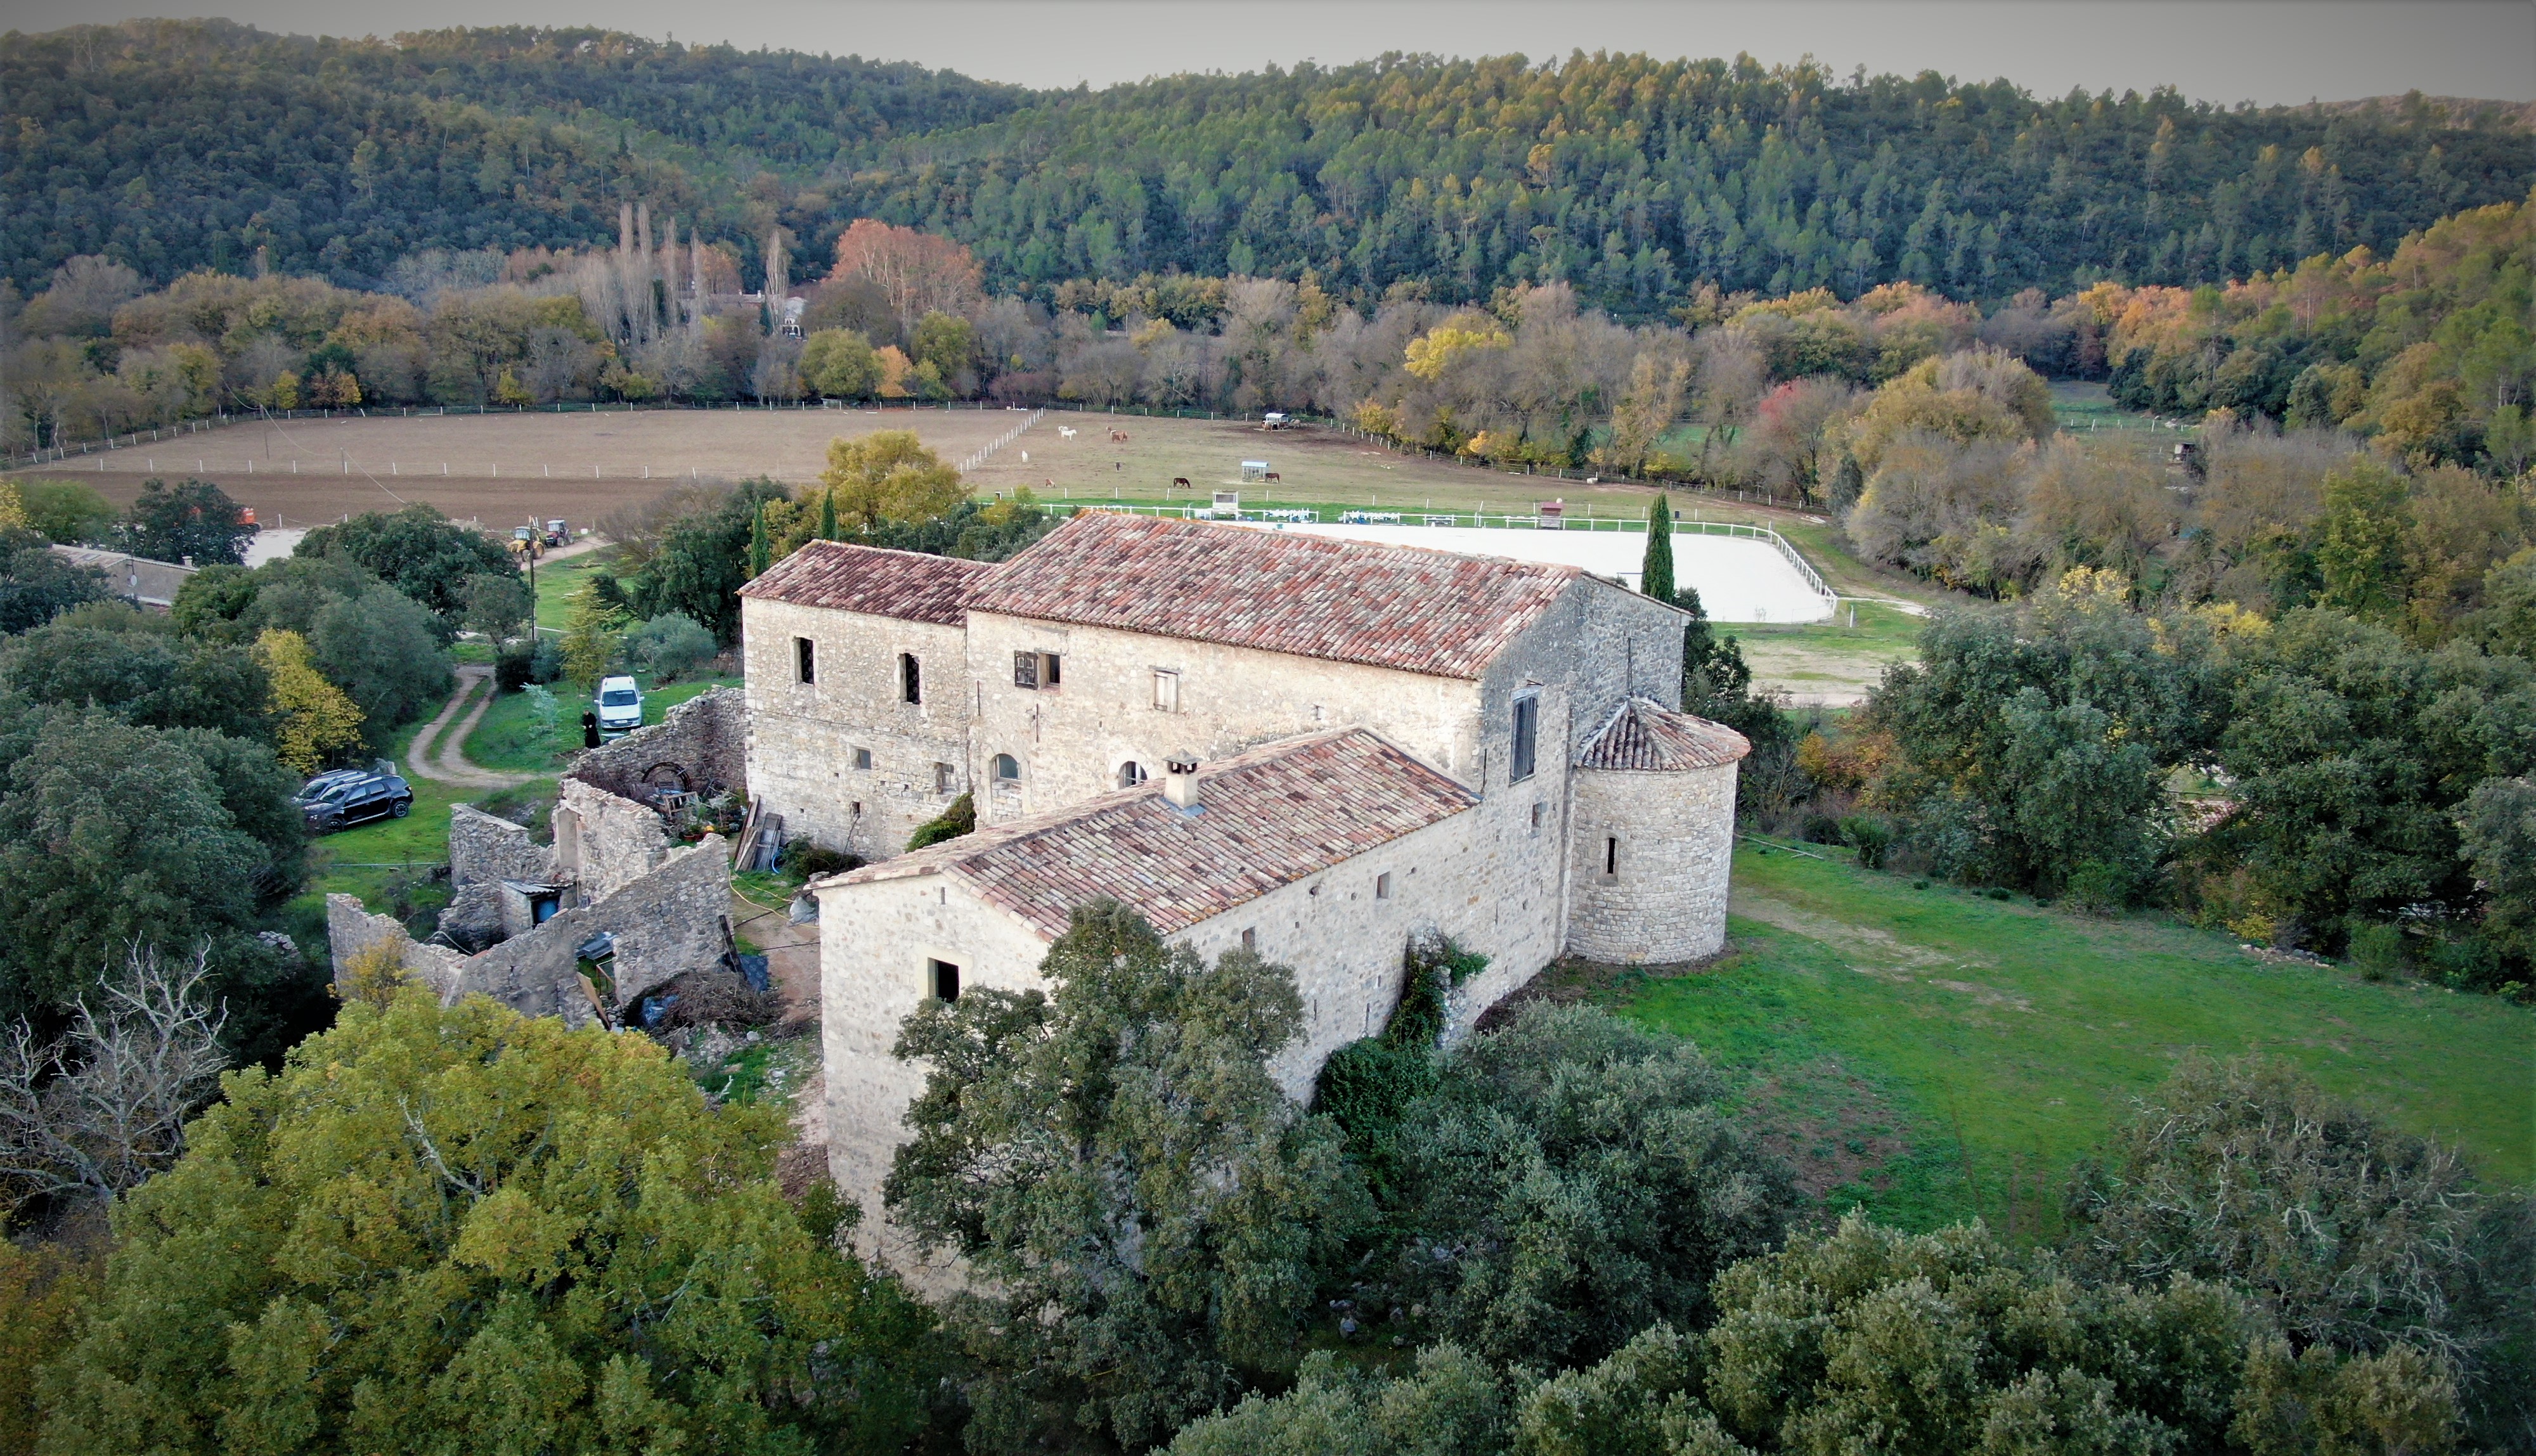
1643, 736
1270, 818
1408, 607
868, 579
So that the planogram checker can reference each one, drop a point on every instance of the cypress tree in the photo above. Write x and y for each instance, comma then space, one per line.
1657, 574
828, 514
758, 547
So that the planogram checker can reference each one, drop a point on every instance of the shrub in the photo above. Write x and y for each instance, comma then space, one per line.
1819, 828
808, 859
1869, 835
545, 663
512, 666
954, 821
2377, 950
669, 646
2100, 888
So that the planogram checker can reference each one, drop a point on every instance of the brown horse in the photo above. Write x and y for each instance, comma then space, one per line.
1179, 483
1272, 476
1117, 437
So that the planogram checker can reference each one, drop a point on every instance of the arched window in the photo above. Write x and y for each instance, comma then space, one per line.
1008, 770
1130, 774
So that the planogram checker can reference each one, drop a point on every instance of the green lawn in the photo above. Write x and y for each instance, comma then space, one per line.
557, 582
1934, 1053
510, 740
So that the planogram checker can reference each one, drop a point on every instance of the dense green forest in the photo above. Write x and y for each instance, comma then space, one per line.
178, 146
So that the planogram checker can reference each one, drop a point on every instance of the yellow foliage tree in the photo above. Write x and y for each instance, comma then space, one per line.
311, 715
13, 507
591, 632
1434, 351
374, 974
889, 476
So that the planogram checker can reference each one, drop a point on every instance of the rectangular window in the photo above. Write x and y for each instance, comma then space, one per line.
863, 758
1536, 816
1167, 691
942, 778
1250, 939
1611, 857
910, 679
942, 980
1527, 725
806, 660
1036, 669
1382, 887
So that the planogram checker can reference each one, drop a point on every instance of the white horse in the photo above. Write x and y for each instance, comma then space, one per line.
1065, 432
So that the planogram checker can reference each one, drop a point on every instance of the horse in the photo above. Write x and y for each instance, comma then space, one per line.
1117, 437
1065, 432
1179, 483
1025, 457
1272, 476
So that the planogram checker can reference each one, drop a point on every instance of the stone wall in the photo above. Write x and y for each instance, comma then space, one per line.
803, 738
701, 745
604, 842
1669, 840
483, 851
1342, 939
666, 923
1069, 741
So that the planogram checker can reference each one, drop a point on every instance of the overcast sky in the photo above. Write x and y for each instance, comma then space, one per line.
2221, 51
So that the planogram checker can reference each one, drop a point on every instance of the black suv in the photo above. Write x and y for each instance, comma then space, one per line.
346, 797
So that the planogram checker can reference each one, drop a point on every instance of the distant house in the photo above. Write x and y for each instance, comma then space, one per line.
152, 583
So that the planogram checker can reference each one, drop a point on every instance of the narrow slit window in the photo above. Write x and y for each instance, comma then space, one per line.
942, 980
1527, 726
1611, 857
1536, 816
1382, 887
1167, 691
806, 660
1048, 673
942, 778
1250, 939
911, 679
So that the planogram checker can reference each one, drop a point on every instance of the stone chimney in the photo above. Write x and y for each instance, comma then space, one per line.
1179, 780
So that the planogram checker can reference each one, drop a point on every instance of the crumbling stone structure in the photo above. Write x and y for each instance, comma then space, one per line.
616, 898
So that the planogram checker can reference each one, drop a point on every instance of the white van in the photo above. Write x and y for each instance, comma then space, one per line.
620, 707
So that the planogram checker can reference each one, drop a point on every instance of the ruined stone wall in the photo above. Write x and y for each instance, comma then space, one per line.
667, 923
701, 745
604, 842
482, 847
351, 929
1667, 840
803, 738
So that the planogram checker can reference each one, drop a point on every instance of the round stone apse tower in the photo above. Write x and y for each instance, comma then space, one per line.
1651, 820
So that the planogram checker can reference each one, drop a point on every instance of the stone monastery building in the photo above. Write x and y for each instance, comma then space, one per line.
1311, 747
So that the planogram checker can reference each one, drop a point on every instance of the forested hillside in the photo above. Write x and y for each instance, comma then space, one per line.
178, 145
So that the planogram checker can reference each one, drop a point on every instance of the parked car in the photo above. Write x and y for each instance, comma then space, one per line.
347, 796
620, 707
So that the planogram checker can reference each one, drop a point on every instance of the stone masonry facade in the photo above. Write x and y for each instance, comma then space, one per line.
1577, 814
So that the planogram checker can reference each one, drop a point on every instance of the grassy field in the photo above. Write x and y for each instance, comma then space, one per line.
1938, 1054
511, 740
1835, 662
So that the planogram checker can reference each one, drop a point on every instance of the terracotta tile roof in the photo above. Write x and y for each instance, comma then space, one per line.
868, 579
1644, 736
1269, 817
1408, 607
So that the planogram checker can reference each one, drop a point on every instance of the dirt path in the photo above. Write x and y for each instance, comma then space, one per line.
439, 754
